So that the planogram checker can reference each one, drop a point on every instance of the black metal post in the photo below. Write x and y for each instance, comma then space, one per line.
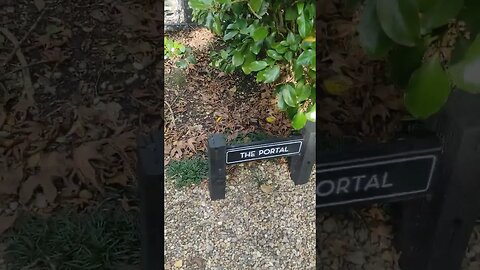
150, 185
301, 165
445, 221
217, 166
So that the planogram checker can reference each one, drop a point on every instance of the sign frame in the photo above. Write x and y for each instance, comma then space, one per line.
380, 160
264, 144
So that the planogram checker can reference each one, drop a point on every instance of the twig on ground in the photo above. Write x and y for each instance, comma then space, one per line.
28, 86
171, 112
18, 44
21, 68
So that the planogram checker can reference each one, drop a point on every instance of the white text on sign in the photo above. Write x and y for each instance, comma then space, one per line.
345, 185
264, 152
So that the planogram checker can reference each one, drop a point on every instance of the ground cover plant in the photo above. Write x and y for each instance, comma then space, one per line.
177, 51
69, 240
188, 171
274, 40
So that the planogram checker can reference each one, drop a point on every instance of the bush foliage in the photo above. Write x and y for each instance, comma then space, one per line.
410, 34
272, 39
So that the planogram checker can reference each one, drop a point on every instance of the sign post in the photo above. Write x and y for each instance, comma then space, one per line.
301, 165
300, 150
217, 166
150, 185
439, 226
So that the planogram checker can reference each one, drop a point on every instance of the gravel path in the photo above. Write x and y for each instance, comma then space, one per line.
362, 240
269, 226
356, 239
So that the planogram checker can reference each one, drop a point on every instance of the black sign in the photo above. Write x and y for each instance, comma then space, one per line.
238, 154
373, 179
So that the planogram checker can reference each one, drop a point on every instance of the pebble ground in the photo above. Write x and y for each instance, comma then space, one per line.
265, 222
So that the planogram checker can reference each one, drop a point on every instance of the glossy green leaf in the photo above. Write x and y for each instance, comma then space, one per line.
302, 25
400, 20
182, 63
246, 69
249, 58
299, 120
279, 48
275, 55
200, 4
257, 65
223, 54
257, 46
428, 90
302, 91
289, 95
281, 102
230, 35
312, 113
255, 5
217, 26
298, 72
246, 30
238, 58
290, 14
306, 57
300, 6
288, 56
260, 33
291, 38
440, 14
466, 74
269, 75
371, 35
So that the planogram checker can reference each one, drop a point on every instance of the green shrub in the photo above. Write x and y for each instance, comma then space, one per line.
176, 51
407, 33
275, 39
188, 171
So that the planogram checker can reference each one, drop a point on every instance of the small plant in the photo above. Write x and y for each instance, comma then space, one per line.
74, 241
273, 39
431, 46
187, 172
259, 178
174, 50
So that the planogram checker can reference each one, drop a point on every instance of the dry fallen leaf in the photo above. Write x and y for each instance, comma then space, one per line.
99, 15
81, 159
266, 188
39, 4
53, 164
271, 119
6, 222
10, 180
382, 230
337, 85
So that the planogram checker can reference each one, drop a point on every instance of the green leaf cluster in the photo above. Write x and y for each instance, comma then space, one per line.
401, 31
177, 51
272, 39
